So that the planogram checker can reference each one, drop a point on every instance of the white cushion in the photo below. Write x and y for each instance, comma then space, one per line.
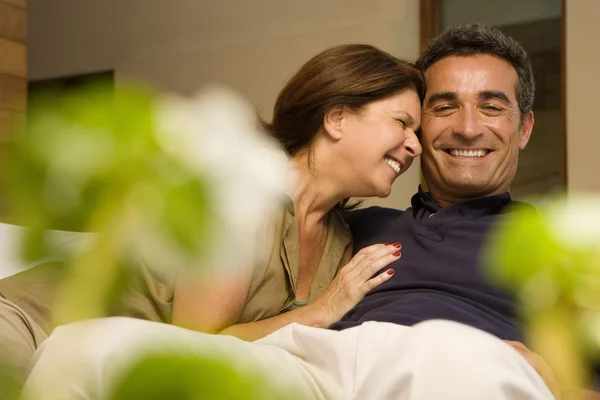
10, 239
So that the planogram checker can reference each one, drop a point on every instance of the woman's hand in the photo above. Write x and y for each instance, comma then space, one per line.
355, 280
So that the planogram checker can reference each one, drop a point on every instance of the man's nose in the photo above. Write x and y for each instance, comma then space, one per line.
468, 124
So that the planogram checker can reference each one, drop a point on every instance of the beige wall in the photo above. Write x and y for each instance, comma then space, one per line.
255, 46
498, 12
583, 86
252, 46
70, 37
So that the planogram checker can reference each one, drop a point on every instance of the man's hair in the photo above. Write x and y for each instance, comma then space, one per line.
469, 40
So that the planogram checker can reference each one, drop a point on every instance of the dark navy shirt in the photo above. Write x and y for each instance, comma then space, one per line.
440, 274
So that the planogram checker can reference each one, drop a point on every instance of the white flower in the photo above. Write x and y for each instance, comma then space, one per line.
576, 220
215, 133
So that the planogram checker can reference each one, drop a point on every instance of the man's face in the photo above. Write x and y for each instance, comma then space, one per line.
471, 127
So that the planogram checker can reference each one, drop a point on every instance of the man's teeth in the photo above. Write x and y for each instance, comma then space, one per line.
468, 153
394, 164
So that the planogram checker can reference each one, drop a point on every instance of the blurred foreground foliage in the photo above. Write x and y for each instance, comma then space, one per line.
550, 257
91, 156
178, 378
90, 161
94, 160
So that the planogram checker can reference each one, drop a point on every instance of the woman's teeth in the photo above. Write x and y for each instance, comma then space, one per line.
394, 164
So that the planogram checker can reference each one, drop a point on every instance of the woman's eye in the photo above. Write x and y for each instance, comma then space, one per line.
402, 122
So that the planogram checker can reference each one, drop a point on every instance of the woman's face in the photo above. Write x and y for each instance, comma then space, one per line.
380, 143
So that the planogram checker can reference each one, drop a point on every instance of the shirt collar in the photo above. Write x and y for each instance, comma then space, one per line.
477, 206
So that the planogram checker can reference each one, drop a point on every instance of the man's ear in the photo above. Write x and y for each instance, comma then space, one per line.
333, 121
526, 128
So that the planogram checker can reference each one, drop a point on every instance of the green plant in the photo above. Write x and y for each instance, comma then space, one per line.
550, 257
179, 181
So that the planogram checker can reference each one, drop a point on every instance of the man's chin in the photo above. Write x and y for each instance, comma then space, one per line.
468, 189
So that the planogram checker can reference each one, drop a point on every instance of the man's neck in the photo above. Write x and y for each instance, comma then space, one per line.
445, 199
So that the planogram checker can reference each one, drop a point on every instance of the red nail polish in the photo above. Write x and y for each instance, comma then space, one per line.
397, 245
390, 272
387, 244
397, 254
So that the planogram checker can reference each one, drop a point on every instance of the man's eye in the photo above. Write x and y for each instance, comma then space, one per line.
442, 109
492, 109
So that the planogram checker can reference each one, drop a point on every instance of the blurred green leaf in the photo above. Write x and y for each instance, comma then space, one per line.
550, 259
159, 377
144, 175
89, 161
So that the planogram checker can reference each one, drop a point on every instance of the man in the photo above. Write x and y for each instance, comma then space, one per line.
477, 115
436, 330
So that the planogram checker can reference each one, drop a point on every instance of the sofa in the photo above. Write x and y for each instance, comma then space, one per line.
28, 289
10, 240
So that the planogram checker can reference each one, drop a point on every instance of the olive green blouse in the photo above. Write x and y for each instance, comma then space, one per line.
274, 282
150, 296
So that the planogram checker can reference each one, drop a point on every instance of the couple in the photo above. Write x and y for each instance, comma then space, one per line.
411, 314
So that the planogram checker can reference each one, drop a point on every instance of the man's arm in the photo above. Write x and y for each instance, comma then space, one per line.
544, 370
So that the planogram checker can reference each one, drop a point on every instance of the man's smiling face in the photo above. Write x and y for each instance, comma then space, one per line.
471, 127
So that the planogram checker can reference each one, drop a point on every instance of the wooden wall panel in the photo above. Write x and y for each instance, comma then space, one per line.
13, 58
13, 78
13, 92
13, 23
431, 20
18, 3
13, 64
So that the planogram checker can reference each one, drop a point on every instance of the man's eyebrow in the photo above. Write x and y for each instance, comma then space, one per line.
446, 96
491, 95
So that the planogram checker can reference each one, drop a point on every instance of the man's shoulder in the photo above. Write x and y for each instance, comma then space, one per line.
370, 217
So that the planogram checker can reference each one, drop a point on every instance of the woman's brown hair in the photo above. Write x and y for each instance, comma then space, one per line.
352, 75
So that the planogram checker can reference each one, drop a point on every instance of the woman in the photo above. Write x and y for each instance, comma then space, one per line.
347, 120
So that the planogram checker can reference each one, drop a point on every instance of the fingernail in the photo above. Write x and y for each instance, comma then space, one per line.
398, 245
397, 254
387, 244
390, 272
